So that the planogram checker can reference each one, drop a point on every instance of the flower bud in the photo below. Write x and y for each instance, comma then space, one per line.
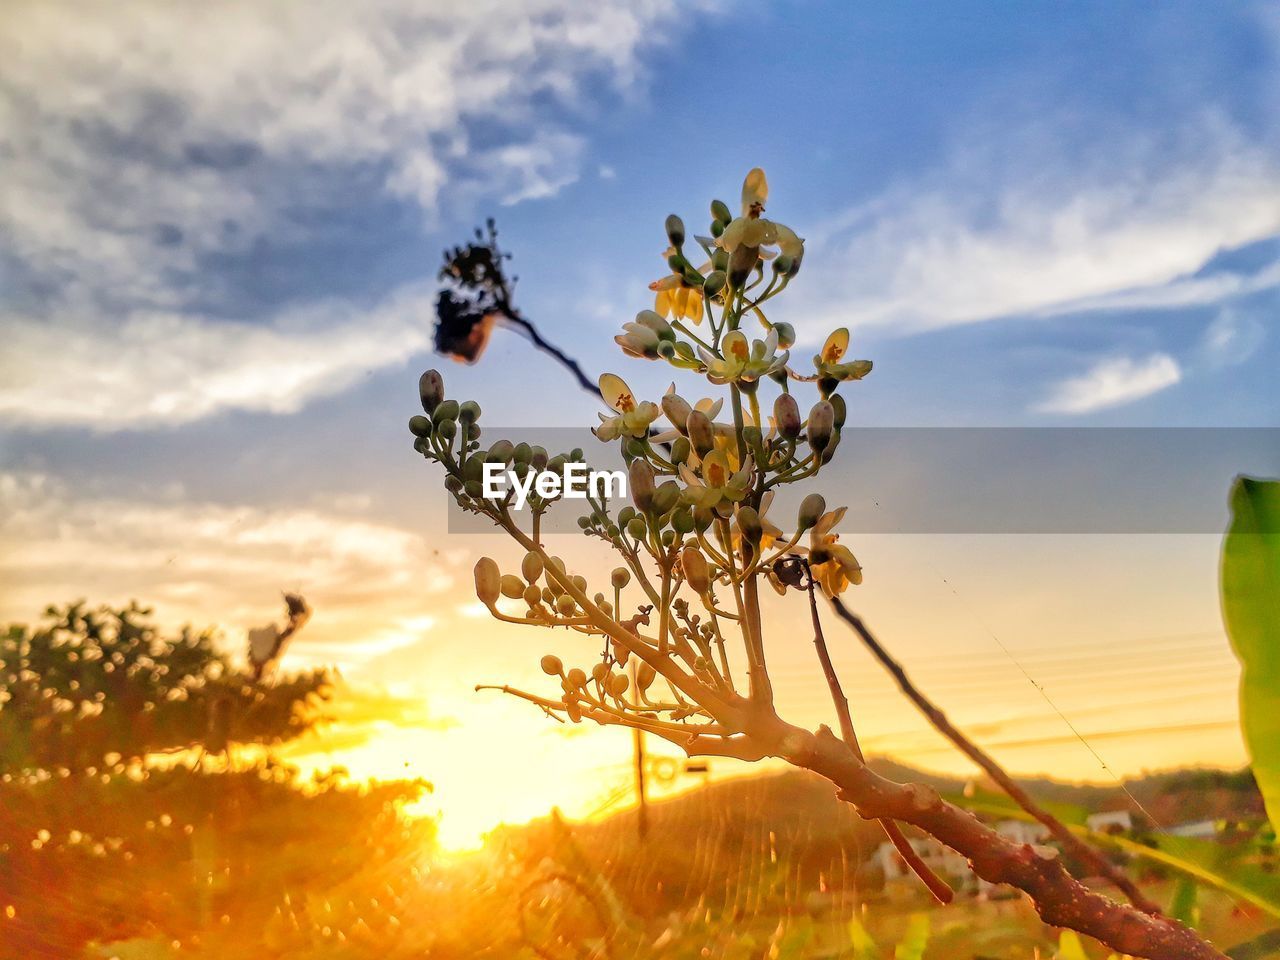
448, 429
625, 515
675, 231
565, 605
633, 448
420, 426
749, 524
837, 403
695, 569
741, 262
720, 212
488, 581
682, 520
822, 420
512, 586
446, 410
665, 497
577, 679
714, 283
645, 675
532, 595
538, 458
637, 528
811, 508
620, 577
786, 335
552, 666
702, 518
786, 414
782, 264
618, 684
680, 450
701, 433
599, 672
469, 412
640, 479
522, 453
431, 390
677, 409
501, 452
531, 567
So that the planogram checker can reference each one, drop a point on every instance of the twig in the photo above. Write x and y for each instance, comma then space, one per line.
935, 716
513, 317
937, 886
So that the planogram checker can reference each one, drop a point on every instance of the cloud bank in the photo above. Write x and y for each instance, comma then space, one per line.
1111, 383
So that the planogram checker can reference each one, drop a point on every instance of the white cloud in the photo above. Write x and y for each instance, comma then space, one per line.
374, 588
1022, 232
122, 123
1232, 337
168, 368
147, 143
1112, 383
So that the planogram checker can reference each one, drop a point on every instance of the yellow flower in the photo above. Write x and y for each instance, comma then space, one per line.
715, 482
743, 359
643, 335
828, 362
633, 418
832, 564
769, 531
676, 298
752, 231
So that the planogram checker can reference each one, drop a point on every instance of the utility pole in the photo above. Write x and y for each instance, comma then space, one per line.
637, 740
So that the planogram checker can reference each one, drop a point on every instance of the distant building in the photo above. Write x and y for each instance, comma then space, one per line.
1201, 829
1110, 821
951, 866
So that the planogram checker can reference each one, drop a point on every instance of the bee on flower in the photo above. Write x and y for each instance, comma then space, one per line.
633, 419
743, 359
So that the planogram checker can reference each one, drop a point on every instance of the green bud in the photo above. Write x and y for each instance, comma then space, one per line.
675, 231
532, 595
677, 263
720, 212
501, 452
811, 508
786, 335
584, 523
782, 264
469, 412
523, 453
821, 425
637, 528
473, 489
620, 577
665, 497
680, 450
702, 518
749, 523
447, 429
700, 431
431, 390
633, 447
446, 410
420, 426
488, 581
538, 460
786, 414
714, 283
720, 259
695, 569
668, 538
641, 481
837, 403
512, 586
625, 514
682, 520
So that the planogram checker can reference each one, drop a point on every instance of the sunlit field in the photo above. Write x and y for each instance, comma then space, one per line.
639, 481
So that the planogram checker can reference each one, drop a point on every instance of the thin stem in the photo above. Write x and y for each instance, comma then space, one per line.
937, 886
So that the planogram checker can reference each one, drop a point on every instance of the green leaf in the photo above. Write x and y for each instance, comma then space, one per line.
864, 947
1251, 610
1070, 947
1183, 904
914, 941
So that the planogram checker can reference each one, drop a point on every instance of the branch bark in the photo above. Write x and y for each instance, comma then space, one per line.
935, 716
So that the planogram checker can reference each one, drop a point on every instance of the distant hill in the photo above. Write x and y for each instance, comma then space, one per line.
780, 836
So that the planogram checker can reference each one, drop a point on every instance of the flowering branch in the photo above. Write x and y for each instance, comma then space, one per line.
696, 542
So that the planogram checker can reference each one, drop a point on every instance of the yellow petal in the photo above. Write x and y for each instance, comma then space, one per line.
662, 302
755, 191
836, 345
616, 393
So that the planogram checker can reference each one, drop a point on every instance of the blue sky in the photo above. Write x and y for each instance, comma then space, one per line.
219, 232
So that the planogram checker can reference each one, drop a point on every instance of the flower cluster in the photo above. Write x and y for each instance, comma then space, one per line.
681, 614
